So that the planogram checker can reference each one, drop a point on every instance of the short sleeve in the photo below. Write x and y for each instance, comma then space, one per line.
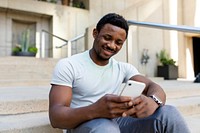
129, 71
63, 73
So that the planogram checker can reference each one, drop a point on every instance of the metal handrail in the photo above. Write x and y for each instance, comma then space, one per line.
68, 42
166, 26
55, 35
72, 40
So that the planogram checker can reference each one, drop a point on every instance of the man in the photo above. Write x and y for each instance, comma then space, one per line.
83, 97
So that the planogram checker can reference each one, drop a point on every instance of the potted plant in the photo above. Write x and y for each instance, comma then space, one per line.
167, 69
25, 49
65, 2
17, 51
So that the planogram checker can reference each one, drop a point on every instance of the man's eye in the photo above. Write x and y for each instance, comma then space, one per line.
119, 42
107, 37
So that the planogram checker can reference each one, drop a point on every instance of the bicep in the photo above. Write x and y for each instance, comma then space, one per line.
150, 86
141, 78
60, 95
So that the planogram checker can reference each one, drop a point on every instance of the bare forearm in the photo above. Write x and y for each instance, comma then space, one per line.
155, 89
65, 117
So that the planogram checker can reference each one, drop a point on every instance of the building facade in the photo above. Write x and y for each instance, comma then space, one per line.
48, 22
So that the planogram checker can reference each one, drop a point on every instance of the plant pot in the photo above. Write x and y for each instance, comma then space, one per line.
168, 71
25, 54
65, 2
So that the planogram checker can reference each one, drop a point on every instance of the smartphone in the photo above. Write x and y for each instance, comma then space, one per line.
132, 88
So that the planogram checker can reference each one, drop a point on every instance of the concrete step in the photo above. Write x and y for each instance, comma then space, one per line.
193, 123
24, 82
22, 71
178, 89
18, 100
26, 104
22, 60
25, 75
27, 123
31, 67
186, 105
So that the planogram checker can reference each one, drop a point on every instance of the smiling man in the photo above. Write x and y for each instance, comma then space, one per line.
84, 94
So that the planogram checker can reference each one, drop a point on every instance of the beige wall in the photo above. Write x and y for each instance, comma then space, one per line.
3, 45
191, 17
63, 21
175, 12
9, 16
68, 22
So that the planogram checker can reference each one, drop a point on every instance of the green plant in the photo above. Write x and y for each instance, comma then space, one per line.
79, 5
164, 58
53, 1
24, 45
25, 40
31, 49
16, 49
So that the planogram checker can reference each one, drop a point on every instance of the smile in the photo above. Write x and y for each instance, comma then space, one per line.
108, 50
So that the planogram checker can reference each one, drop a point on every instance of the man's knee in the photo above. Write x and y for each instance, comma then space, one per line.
169, 114
107, 126
169, 111
98, 126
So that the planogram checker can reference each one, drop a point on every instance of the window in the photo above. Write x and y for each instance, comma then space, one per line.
19, 28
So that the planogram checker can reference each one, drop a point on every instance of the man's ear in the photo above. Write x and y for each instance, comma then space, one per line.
95, 33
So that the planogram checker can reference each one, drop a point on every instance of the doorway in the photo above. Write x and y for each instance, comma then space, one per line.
196, 49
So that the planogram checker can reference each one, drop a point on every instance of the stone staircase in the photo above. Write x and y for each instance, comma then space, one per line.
185, 95
25, 71
24, 88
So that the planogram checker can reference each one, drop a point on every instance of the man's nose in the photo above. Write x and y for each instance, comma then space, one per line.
111, 45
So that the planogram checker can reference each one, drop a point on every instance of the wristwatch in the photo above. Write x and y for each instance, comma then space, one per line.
157, 100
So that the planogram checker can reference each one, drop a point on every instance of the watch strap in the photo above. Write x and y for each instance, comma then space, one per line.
157, 100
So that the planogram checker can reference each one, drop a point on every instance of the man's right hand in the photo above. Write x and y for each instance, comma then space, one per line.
112, 106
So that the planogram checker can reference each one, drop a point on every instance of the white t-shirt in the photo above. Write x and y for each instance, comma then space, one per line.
90, 81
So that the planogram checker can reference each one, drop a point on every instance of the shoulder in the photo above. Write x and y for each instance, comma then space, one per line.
122, 64
125, 67
74, 59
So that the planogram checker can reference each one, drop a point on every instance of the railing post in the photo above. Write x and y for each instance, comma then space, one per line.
42, 45
69, 48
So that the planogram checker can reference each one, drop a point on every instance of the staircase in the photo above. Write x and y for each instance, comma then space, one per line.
24, 88
185, 95
25, 71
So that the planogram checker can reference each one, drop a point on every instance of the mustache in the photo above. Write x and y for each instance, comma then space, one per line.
109, 49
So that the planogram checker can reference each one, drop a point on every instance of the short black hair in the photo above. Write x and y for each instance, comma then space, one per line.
114, 19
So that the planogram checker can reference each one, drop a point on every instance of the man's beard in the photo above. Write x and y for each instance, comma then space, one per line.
102, 58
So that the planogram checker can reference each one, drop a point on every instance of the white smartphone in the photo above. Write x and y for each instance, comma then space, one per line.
132, 88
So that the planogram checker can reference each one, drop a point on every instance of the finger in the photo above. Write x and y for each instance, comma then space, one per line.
140, 106
115, 98
137, 100
129, 112
117, 112
124, 99
124, 105
142, 113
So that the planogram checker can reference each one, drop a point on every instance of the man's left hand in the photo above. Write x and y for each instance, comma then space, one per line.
142, 106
